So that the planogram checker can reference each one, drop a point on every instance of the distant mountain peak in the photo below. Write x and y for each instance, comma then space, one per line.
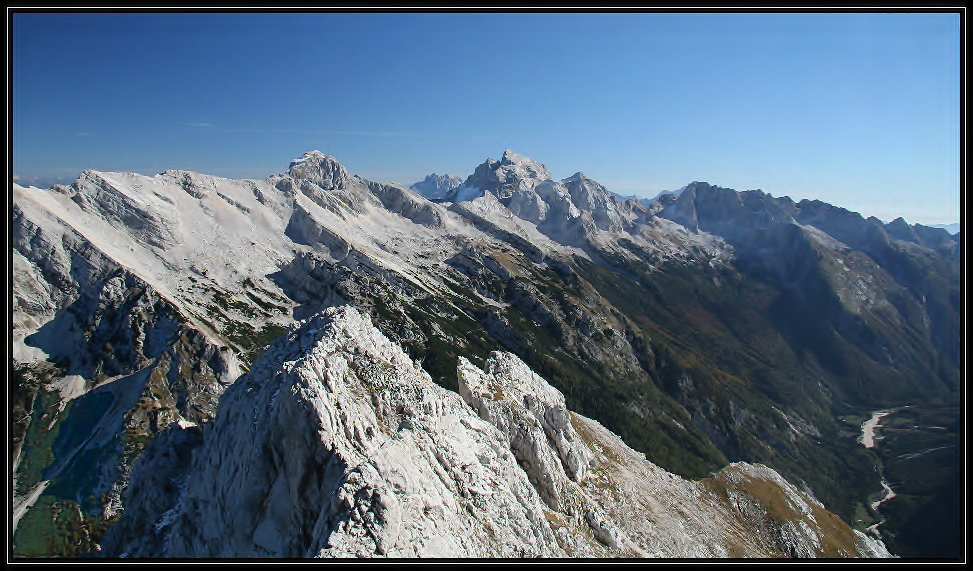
437, 186
509, 156
500, 177
314, 155
648, 201
324, 170
524, 166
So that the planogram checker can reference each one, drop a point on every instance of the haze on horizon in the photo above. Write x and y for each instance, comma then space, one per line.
860, 110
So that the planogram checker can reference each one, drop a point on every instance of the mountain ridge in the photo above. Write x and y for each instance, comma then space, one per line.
560, 273
377, 495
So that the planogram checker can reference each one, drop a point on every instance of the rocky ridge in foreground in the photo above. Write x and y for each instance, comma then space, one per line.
337, 444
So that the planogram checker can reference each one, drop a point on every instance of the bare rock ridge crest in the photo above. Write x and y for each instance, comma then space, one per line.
336, 444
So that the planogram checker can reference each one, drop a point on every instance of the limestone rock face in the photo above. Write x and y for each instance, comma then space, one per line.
336, 444
737, 216
589, 196
321, 169
532, 416
597, 486
565, 211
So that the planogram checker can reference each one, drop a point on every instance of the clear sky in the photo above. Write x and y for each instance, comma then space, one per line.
860, 110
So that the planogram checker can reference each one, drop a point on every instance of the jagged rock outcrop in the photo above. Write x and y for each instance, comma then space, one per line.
336, 444
320, 169
500, 394
437, 186
568, 211
739, 217
590, 197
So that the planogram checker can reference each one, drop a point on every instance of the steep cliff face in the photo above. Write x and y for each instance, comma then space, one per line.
87, 421
336, 444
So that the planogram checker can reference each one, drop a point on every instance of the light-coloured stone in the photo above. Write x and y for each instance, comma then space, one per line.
336, 444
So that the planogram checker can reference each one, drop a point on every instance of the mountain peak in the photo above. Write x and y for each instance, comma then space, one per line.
314, 156
510, 156
501, 177
524, 166
437, 186
324, 170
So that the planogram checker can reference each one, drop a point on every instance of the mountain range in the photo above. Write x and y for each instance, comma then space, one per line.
509, 365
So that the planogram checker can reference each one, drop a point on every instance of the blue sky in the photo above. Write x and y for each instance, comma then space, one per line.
860, 110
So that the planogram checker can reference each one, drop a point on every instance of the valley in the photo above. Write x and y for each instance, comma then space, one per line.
922, 461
